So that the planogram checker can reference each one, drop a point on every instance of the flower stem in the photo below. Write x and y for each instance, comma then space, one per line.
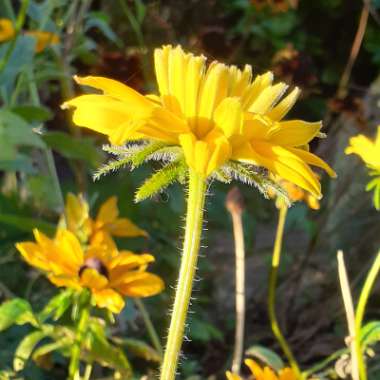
193, 231
272, 291
149, 326
235, 205
360, 310
74, 372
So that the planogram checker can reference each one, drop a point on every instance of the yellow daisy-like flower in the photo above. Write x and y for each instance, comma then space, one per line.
215, 113
7, 30
106, 272
264, 373
107, 221
296, 194
43, 39
368, 150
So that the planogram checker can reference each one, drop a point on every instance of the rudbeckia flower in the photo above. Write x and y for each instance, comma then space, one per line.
108, 274
368, 150
107, 221
264, 373
43, 39
296, 194
216, 115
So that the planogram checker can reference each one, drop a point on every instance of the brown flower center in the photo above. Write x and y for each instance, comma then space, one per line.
94, 263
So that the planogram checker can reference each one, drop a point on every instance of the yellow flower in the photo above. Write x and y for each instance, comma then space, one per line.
215, 113
7, 31
366, 149
107, 220
43, 39
296, 194
264, 373
107, 273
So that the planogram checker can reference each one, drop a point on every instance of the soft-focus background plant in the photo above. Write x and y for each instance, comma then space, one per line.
310, 44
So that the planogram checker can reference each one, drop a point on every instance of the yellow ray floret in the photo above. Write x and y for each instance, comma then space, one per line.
264, 373
106, 272
216, 113
368, 150
106, 224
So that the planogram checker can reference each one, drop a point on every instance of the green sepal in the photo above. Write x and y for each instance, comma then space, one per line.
160, 180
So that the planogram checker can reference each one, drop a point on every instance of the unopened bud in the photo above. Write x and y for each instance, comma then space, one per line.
235, 201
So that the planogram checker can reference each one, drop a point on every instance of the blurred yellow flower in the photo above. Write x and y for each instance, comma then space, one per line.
368, 150
7, 30
264, 373
296, 194
107, 221
106, 272
215, 113
43, 39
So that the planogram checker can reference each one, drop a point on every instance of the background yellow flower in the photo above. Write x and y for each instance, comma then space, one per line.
107, 273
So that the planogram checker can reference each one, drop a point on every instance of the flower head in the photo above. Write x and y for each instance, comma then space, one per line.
264, 373
106, 272
43, 39
296, 194
368, 150
216, 115
106, 222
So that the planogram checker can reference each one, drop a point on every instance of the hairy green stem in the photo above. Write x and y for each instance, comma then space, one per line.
360, 310
149, 326
193, 231
276, 256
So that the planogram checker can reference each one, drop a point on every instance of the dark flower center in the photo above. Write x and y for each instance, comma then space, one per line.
94, 263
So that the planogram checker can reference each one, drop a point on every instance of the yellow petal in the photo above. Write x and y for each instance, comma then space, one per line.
267, 98
65, 281
91, 279
132, 100
260, 83
284, 106
108, 211
269, 374
287, 374
232, 376
76, 211
314, 160
294, 132
212, 91
123, 227
141, 284
70, 247
229, 116
365, 149
255, 369
44, 39
7, 30
33, 255
109, 299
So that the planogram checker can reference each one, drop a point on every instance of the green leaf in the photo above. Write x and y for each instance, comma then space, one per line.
370, 333
203, 331
15, 131
45, 349
25, 349
99, 349
111, 166
71, 147
33, 113
16, 312
100, 21
145, 151
140, 349
267, 356
160, 180
57, 306
27, 224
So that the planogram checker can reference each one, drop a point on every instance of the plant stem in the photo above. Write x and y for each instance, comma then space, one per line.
74, 373
193, 231
235, 205
272, 291
149, 326
350, 315
87, 372
360, 310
